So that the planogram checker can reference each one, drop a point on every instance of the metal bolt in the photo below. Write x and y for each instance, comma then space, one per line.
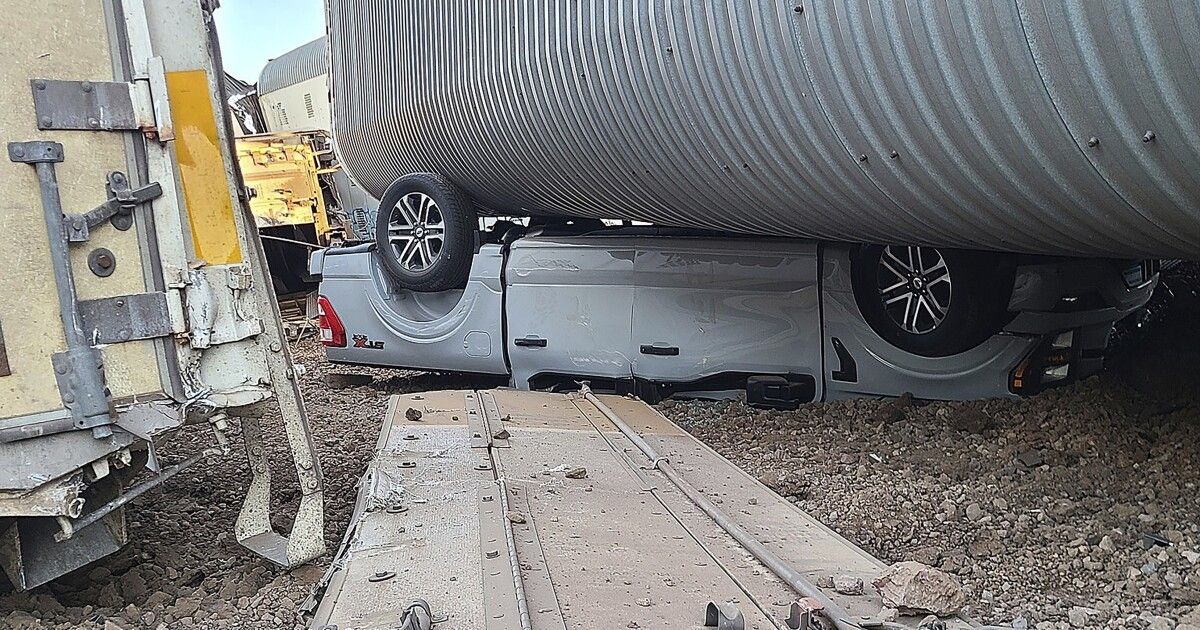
799, 8
41, 85
863, 158
104, 262
380, 576
18, 151
275, 347
670, 50
46, 121
1149, 137
1093, 142
86, 86
93, 123
895, 154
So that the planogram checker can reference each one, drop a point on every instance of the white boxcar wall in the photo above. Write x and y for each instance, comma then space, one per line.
303, 106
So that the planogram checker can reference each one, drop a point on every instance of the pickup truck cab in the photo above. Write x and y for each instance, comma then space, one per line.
655, 311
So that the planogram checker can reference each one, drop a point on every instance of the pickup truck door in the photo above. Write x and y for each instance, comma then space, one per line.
568, 307
704, 307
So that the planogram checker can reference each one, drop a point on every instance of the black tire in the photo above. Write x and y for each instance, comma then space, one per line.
434, 265
972, 296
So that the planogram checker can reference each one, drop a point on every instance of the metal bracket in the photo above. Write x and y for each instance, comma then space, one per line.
80, 370
723, 617
126, 318
5, 369
80, 376
122, 200
35, 152
86, 106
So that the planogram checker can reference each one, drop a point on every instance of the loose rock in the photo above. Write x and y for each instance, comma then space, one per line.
914, 588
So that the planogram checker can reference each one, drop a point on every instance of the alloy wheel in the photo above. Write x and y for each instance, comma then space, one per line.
416, 231
915, 286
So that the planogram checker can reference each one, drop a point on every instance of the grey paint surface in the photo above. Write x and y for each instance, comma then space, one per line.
452, 330
755, 117
294, 66
734, 305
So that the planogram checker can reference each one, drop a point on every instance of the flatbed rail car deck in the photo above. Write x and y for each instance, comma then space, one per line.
479, 507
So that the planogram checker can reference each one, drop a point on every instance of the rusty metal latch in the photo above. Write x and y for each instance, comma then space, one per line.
119, 207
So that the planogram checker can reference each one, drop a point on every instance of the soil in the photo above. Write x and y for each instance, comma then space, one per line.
1074, 508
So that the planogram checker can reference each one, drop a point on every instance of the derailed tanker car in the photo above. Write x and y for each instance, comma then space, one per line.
977, 169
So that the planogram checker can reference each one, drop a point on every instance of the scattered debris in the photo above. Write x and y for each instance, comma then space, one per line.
502, 434
576, 473
825, 581
516, 517
644, 602
915, 588
413, 415
848, 585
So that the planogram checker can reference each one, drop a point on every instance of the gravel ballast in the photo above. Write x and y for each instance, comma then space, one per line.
1077, 508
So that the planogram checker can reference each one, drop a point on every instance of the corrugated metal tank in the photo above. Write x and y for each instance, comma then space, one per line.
1069, 127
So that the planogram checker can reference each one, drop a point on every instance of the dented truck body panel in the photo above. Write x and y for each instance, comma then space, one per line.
136, 299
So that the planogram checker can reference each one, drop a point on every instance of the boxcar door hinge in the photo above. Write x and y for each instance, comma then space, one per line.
89, 106
126, 318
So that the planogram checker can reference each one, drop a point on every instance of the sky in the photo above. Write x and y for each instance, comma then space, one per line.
255, 31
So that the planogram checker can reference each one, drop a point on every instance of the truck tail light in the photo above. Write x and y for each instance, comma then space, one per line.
333, 333
1050, 363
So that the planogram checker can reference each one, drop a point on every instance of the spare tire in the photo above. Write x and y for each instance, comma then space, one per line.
425, 233
929, 301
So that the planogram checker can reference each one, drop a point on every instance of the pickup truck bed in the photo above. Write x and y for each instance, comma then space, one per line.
621, 547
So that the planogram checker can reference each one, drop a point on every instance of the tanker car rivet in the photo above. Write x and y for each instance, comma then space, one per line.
1149, 137
1093, 142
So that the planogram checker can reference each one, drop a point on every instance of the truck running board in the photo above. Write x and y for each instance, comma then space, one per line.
527, 510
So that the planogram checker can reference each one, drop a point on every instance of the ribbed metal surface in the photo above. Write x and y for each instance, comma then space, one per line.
294, 66
946, 123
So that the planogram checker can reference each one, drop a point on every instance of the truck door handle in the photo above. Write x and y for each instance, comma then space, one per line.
530, 342
660, 351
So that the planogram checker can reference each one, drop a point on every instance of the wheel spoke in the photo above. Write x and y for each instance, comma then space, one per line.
899, 285
400, 238
890, 254
410, 248
899, 274
932, 315
941, 310
423, 212
897, 298
426, 254
410, 212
